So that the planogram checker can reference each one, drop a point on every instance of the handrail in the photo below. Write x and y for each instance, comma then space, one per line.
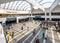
31, 33
35, 36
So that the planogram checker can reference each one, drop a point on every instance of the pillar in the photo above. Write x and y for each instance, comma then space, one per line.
4, 23
31, 12
45, 16
50, 15
17, 20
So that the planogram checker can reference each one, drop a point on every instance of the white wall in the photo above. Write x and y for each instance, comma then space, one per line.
2, 20
37, 11
56, 9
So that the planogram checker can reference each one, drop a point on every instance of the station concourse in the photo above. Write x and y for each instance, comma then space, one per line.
29, 21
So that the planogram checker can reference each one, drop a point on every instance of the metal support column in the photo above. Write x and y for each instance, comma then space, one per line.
45, 16
31, 12
17, 20
50, 15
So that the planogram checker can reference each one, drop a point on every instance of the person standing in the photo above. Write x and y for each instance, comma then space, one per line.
43, 35
37, 40
22, 28
56, 26
12, 34
34, 31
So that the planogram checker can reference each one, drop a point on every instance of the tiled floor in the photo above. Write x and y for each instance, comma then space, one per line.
25, 36
19, 34
52, 36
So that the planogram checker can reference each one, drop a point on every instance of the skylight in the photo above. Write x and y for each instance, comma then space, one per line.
45, 3
16, 5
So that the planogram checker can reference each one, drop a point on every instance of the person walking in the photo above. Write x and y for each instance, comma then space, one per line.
12, 34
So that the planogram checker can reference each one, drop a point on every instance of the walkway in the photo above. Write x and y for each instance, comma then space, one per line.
52, 36
22, 34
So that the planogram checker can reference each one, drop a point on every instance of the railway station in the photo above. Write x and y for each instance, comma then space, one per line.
29, 21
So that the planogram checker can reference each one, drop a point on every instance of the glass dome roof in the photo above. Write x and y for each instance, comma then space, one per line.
16, 5
45, 3
23, 5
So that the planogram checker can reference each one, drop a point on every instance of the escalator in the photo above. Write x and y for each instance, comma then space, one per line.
28, 38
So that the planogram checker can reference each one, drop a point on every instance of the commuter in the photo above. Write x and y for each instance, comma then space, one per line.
9, 36
34, 31
56, 26
46, 38
41, 25
12, 34
37, 40
22, 28
43, 35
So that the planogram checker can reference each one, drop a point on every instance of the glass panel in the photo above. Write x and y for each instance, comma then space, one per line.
14, 5
45, 3
2, 5
11, 3
18, 4
6, 6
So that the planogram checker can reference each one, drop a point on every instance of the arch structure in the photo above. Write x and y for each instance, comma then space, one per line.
32, 6
54, 9
25, 4
14, 4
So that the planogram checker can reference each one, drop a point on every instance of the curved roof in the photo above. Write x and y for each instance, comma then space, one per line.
20, 5
45, 3
25, 4
16, 5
